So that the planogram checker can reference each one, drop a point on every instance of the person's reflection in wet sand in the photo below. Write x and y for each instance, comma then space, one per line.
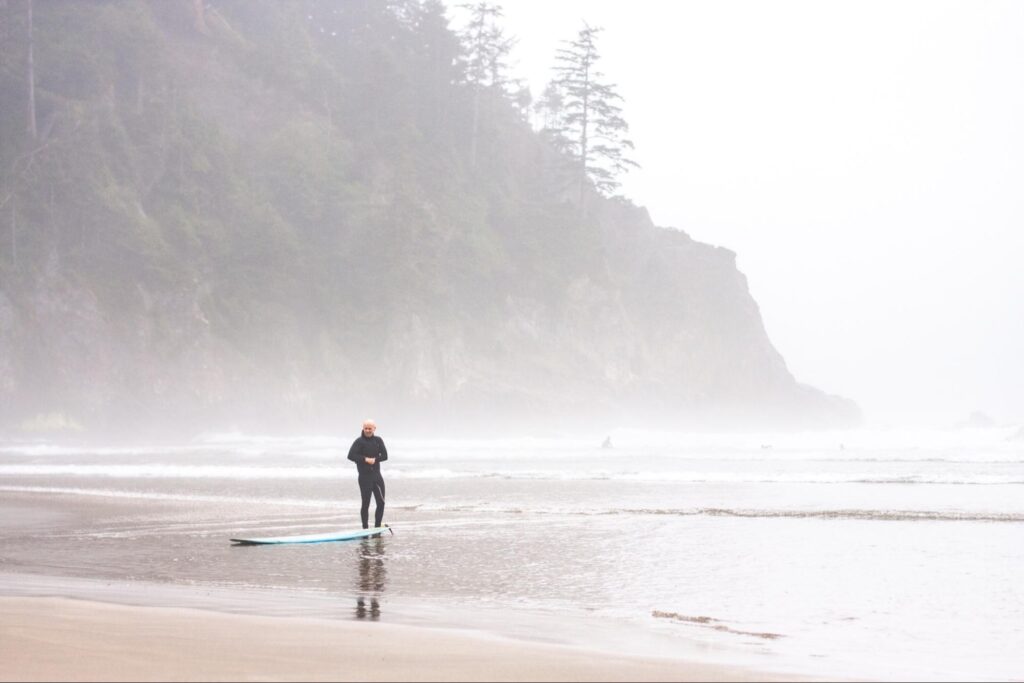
372, 575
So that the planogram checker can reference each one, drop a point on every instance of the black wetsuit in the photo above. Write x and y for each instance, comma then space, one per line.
370, 480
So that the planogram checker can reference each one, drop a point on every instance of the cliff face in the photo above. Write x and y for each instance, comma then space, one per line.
665, 332
216, 234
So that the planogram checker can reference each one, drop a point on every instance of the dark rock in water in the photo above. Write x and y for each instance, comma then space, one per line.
978, 419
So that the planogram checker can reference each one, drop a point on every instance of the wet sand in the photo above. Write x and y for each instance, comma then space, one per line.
53, 638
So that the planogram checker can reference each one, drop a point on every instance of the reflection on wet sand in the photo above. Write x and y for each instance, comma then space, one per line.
372, 575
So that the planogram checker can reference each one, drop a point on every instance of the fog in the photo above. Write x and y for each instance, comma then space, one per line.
310, 244
864, 161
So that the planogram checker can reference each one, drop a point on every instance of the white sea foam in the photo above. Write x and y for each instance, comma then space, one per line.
876, 475
841, 542
176, 471
996, 444
153, 495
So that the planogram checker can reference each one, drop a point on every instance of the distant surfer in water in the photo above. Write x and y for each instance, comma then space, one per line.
368, 452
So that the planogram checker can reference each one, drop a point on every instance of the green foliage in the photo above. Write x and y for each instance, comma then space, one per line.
487, 47
302, 168
583, 116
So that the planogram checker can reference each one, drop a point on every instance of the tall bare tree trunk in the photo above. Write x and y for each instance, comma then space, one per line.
33, 133
14, 235
140, 92
199, 16
475, 132
584, 141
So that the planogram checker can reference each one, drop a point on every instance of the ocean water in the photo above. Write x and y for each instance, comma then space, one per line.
894, 555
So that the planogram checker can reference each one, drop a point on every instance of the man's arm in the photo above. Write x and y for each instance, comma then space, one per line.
383, 451
352, 455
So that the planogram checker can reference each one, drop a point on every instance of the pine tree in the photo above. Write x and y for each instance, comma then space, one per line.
486, 54
583, 118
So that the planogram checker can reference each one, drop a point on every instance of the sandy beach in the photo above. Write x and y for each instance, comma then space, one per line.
46, 639
510, 561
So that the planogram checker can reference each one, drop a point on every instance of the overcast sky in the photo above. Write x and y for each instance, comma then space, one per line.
865, 160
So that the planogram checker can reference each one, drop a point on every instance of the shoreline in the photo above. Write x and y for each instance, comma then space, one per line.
62, 638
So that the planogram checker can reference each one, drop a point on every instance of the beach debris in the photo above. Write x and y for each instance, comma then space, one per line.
711, 623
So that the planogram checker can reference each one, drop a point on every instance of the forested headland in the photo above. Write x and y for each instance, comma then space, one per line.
290, 215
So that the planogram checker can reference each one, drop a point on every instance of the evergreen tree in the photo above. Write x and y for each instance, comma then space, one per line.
437, 68
583, 118
486, 53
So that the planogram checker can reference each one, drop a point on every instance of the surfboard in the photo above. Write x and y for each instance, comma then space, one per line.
313, 538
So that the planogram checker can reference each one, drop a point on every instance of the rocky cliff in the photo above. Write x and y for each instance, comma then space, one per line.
246, 222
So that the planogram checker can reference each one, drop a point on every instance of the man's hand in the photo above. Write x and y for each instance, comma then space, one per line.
370, 461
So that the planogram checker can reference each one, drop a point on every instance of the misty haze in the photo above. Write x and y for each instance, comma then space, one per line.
279, 218
726, 296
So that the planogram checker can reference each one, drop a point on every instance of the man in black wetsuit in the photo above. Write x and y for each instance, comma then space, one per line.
368, 452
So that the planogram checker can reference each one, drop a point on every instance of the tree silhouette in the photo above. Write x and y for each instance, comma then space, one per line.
583, 118
486, 54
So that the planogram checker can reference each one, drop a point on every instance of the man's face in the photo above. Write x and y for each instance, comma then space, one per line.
369, 428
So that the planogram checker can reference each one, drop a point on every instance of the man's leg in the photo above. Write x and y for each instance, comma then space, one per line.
365, 489
378, 494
